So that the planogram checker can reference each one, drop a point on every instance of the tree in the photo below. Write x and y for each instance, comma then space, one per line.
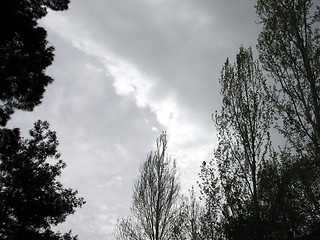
244, 145
193, 226
289, 49
211, 196
155, 193
31, 198
24, 54
286, 209
187, 222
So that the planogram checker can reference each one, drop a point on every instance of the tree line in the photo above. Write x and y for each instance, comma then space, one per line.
264, 179
254, 188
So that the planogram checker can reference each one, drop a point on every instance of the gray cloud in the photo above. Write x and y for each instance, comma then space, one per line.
124, 71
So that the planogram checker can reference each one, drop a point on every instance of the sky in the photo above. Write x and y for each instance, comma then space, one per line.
124, 72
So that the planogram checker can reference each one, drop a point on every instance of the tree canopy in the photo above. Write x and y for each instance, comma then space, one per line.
243, 126
24, 54
261, 191
289, 49
31, 198
155, 194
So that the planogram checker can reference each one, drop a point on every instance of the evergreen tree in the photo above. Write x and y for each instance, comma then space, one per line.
24, 54
31, 198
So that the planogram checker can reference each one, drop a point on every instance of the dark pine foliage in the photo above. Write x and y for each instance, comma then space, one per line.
24, 54
31, 199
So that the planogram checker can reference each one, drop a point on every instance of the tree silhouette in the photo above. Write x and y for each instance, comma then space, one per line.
255, 191
289, 49
244, 146
24, 54
155, 193
31, 199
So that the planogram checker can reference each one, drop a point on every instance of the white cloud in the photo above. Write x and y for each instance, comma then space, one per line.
127, 80
154, 129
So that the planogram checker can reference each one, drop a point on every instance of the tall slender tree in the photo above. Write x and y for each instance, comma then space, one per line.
289, 49
211, 197
155, 193
244, 143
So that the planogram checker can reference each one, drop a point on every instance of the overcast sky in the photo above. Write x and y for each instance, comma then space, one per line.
126, 70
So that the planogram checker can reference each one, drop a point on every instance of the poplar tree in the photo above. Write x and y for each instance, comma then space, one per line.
155, 195
244, 146
289, 49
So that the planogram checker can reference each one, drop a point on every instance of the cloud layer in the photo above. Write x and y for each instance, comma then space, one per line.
125, 71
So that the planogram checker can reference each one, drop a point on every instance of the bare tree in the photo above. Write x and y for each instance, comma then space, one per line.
155, 193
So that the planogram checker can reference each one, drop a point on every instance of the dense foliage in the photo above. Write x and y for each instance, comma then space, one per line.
24, 54
261, 193
31, 199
